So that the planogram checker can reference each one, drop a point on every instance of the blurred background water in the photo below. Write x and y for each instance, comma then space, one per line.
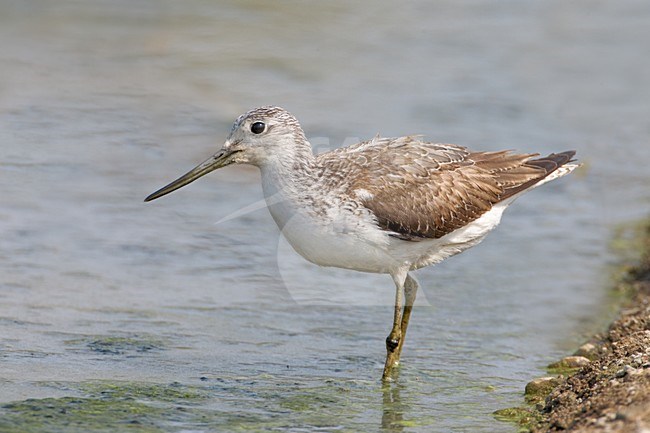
102, 102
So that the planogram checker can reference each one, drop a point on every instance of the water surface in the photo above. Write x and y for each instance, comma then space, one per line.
102, 102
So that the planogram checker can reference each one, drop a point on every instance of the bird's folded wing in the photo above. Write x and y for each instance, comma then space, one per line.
419, 190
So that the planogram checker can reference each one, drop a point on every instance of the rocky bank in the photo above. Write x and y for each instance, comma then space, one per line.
606, 386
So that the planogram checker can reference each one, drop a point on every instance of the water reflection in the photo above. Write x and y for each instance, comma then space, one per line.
392, 418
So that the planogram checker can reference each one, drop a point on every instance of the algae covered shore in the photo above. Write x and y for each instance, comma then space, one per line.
605, 385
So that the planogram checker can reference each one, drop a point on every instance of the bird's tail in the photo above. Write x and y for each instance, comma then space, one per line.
554, 165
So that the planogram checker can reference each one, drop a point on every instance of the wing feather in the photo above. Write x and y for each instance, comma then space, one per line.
417, 189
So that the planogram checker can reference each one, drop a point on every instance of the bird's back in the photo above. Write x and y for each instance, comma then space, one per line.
418, 190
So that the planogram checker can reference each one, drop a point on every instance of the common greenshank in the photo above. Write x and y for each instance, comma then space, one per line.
386, 205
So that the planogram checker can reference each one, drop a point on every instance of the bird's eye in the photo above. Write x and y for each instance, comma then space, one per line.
258, 127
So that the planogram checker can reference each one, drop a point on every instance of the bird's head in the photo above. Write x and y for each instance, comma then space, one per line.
257, 137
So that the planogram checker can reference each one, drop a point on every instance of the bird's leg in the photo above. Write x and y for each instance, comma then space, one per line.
410, 291
394, 338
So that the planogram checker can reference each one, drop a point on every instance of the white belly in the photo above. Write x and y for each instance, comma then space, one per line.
345, 240
334, 239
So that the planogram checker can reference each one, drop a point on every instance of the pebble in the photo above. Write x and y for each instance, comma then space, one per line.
627, 370
588, 350
571, 362
541, 387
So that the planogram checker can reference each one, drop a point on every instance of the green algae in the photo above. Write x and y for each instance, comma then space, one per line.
525, 418
631, 243
106, 407
215, 405
119, 345
72, 414
629, 240
171, 393
307, 402
562, 368
537, 390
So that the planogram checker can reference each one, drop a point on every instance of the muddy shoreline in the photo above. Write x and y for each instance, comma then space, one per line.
605, 386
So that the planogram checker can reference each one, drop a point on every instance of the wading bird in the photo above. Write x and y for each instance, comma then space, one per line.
387, 205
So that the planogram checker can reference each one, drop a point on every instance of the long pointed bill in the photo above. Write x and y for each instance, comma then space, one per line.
218, 160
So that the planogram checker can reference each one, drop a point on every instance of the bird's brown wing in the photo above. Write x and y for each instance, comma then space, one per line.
423, 190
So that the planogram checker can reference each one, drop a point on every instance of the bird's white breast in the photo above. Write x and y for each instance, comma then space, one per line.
333, 237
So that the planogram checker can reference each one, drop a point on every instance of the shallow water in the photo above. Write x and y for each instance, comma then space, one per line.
102, 102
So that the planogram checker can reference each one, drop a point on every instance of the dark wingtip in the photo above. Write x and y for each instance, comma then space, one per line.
562, 157
553, 161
